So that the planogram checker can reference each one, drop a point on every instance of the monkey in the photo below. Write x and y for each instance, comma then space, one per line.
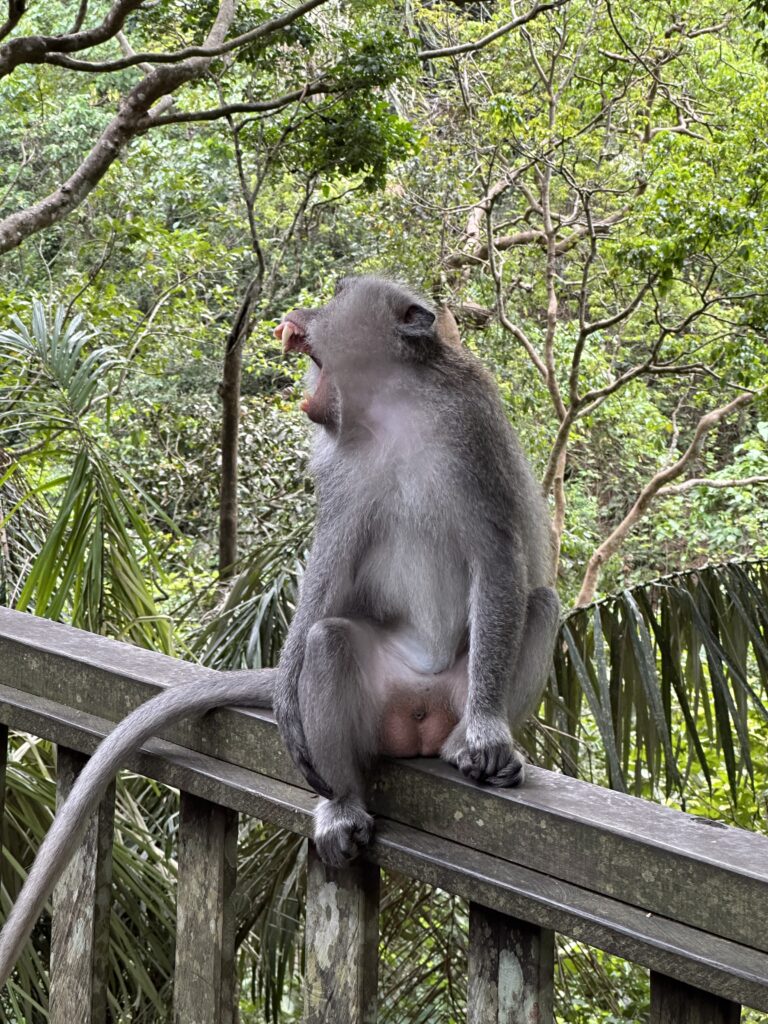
427, 615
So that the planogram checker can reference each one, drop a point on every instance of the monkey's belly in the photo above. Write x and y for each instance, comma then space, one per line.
415, 725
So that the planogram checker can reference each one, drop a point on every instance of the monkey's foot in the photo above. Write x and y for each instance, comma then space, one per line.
496, 766
342, 830
492, 758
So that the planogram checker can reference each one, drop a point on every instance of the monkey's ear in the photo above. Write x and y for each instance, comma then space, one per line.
417, 322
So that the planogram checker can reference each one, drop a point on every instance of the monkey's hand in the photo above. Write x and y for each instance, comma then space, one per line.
489, 753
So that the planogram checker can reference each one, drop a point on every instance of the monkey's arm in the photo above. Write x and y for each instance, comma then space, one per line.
497, 621
247, 689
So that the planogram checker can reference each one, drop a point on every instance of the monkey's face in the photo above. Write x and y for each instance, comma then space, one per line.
367, 333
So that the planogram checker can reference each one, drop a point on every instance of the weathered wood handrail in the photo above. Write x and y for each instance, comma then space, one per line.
686, 898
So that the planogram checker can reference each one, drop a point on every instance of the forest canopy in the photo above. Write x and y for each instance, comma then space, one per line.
578, 186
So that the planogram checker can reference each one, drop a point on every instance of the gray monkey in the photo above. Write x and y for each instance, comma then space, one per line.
426, 618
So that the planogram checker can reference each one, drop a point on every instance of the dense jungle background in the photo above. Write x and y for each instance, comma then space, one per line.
580, 186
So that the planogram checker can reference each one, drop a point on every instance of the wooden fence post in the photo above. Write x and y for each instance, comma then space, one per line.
511, 968
81, 906
3, 765
341, 941
674, 1002
204, 985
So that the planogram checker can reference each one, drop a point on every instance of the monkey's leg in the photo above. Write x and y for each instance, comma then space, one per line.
340, 714
542, 618
528, 680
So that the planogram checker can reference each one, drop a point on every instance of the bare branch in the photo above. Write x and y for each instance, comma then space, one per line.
623, 314
687, 485
539, 237
559, 445
227, 109
651, 490
129, 51
452, 51
82, 10
16, 9
480, 254
265, 29
506, 323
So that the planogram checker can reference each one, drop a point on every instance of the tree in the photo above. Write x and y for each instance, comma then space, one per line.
611, 226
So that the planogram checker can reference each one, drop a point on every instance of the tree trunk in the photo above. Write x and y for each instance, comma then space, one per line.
229, 390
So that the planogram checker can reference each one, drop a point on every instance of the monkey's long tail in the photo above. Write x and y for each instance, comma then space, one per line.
244, 689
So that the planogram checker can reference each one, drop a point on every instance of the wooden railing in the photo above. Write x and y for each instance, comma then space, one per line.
684, 897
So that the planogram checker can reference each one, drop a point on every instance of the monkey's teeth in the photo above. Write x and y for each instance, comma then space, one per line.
288, 332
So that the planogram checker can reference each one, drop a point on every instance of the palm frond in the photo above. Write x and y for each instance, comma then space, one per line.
674, 673
248, 629
52, 377
96, 565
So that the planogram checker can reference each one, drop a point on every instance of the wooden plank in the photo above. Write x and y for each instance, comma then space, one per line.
341, 943
673, 1002
706, 961
568, 829
3, 765
81, 906
510, 970
597, 839
718, 965
204, 983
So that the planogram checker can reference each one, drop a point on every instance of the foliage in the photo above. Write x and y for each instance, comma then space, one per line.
673, 674
92, 568
615, 158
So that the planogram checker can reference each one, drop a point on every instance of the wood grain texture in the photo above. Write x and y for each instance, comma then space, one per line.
204, 983
3, 764
81, 907
673, 1002
341, 943
510, 970
561, 827
680, 896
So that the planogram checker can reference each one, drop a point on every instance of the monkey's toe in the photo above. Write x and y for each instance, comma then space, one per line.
498, 765
511, 775
342, 831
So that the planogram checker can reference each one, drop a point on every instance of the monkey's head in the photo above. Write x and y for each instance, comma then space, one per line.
370, 330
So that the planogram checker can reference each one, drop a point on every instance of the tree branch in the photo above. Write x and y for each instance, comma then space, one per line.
132, 118
452, 51
35, 49
51, 53
651, 490
16, 9
227, 109
687, 485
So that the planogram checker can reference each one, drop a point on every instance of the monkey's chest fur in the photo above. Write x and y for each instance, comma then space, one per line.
412, 586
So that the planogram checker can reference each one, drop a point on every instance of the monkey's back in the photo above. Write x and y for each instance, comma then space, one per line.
436, 445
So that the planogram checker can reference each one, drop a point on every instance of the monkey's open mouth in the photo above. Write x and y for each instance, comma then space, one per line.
293, 336
295, 340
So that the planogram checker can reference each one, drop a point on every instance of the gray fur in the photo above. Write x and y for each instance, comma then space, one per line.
431, 563
431, 529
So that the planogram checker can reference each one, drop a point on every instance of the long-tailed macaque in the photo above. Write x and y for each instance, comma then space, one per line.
426, 619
